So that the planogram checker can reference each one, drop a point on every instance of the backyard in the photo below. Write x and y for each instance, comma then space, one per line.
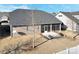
23, 44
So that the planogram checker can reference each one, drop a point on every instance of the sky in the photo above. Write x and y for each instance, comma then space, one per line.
45, 7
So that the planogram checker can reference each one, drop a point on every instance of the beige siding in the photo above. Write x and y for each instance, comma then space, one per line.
27, 30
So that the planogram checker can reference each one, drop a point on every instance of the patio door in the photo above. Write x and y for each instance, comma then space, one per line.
45, 28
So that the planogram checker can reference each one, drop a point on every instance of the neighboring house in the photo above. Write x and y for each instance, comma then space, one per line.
24, 20
4, 24
4, 16
4, 20
70, 19
54, 13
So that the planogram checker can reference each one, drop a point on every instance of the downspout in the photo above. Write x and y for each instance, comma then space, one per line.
72, 26
60, 27
11, 31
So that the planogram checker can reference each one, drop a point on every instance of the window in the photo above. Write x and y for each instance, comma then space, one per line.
60, 15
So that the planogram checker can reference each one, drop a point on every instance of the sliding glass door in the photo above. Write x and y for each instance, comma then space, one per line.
45, 28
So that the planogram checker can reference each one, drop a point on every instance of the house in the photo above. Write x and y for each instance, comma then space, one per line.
54, 13
70, 19
4, 16
4, 24
24, 21
4, 20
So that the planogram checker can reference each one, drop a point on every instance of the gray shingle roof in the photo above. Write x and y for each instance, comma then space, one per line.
24, 17
75, 13
70, 15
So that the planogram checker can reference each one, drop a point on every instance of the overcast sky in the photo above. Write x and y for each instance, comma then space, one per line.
44, 7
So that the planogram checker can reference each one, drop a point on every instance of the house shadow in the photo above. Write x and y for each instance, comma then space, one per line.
21, 33
63, 27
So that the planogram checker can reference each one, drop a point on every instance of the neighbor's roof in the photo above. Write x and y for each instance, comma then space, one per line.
75, 13
27, 17
4, 14
70, 15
